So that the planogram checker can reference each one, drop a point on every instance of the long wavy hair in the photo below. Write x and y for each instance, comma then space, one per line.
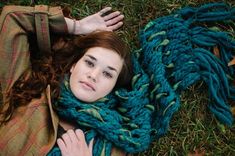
50, 69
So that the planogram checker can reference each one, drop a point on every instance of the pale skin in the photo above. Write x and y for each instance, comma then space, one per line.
95, 74
94, 71
73, 143
96, 22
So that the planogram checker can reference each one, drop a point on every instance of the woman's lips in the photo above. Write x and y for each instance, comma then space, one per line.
87, 85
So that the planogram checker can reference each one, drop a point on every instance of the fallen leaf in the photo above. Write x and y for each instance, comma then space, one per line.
216, 51
197, 153
233, 110
232, 62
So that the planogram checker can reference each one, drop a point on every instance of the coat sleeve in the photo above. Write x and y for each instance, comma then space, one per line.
16, 23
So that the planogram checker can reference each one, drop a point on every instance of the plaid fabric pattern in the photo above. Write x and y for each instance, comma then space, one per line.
29, 132
15, 23
33, 128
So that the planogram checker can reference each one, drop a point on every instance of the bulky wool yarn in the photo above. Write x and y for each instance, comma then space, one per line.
122, 118
176, 52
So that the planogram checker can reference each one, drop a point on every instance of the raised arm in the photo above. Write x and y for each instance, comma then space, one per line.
102, 20
16, 22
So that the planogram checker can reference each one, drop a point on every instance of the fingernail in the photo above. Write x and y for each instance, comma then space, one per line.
79, 131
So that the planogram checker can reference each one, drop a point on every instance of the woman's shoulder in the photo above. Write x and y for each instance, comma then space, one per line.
29, 123
15, 8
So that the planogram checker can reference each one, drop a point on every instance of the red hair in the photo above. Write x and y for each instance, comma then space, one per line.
51, 69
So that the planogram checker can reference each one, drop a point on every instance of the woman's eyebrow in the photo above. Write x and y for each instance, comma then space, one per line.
91, 57
111, 68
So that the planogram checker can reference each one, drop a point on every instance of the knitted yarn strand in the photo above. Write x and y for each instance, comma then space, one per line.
177, 52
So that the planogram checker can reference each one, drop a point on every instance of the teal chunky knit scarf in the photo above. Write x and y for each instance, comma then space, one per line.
176, 52
121, 119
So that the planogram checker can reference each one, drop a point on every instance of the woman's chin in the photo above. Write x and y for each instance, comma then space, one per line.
84, 96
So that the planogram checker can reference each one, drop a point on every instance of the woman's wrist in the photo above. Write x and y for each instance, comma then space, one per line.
73, 26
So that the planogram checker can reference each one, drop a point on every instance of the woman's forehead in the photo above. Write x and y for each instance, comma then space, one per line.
105, 56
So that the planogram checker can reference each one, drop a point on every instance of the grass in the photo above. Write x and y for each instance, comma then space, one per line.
193, 128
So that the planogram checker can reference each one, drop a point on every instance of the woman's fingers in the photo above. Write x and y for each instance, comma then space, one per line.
66, 139
114, 20
115, 26
111, 15
90, 147
103, 20
103, 11
80, 135
74, 143
72, 137
62, 145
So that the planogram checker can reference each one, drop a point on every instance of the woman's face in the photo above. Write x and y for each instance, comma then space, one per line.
95, 74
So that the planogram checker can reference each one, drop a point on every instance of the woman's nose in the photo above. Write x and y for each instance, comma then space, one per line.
94, 74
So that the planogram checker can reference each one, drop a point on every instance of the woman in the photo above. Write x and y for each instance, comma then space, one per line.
103, 63
31, 83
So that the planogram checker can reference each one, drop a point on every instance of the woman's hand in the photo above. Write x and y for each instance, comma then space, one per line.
99, 21
74, 144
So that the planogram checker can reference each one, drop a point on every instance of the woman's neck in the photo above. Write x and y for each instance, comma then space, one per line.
66, 125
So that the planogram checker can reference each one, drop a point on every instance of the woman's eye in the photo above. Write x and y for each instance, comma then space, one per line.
107, 74
89, 63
